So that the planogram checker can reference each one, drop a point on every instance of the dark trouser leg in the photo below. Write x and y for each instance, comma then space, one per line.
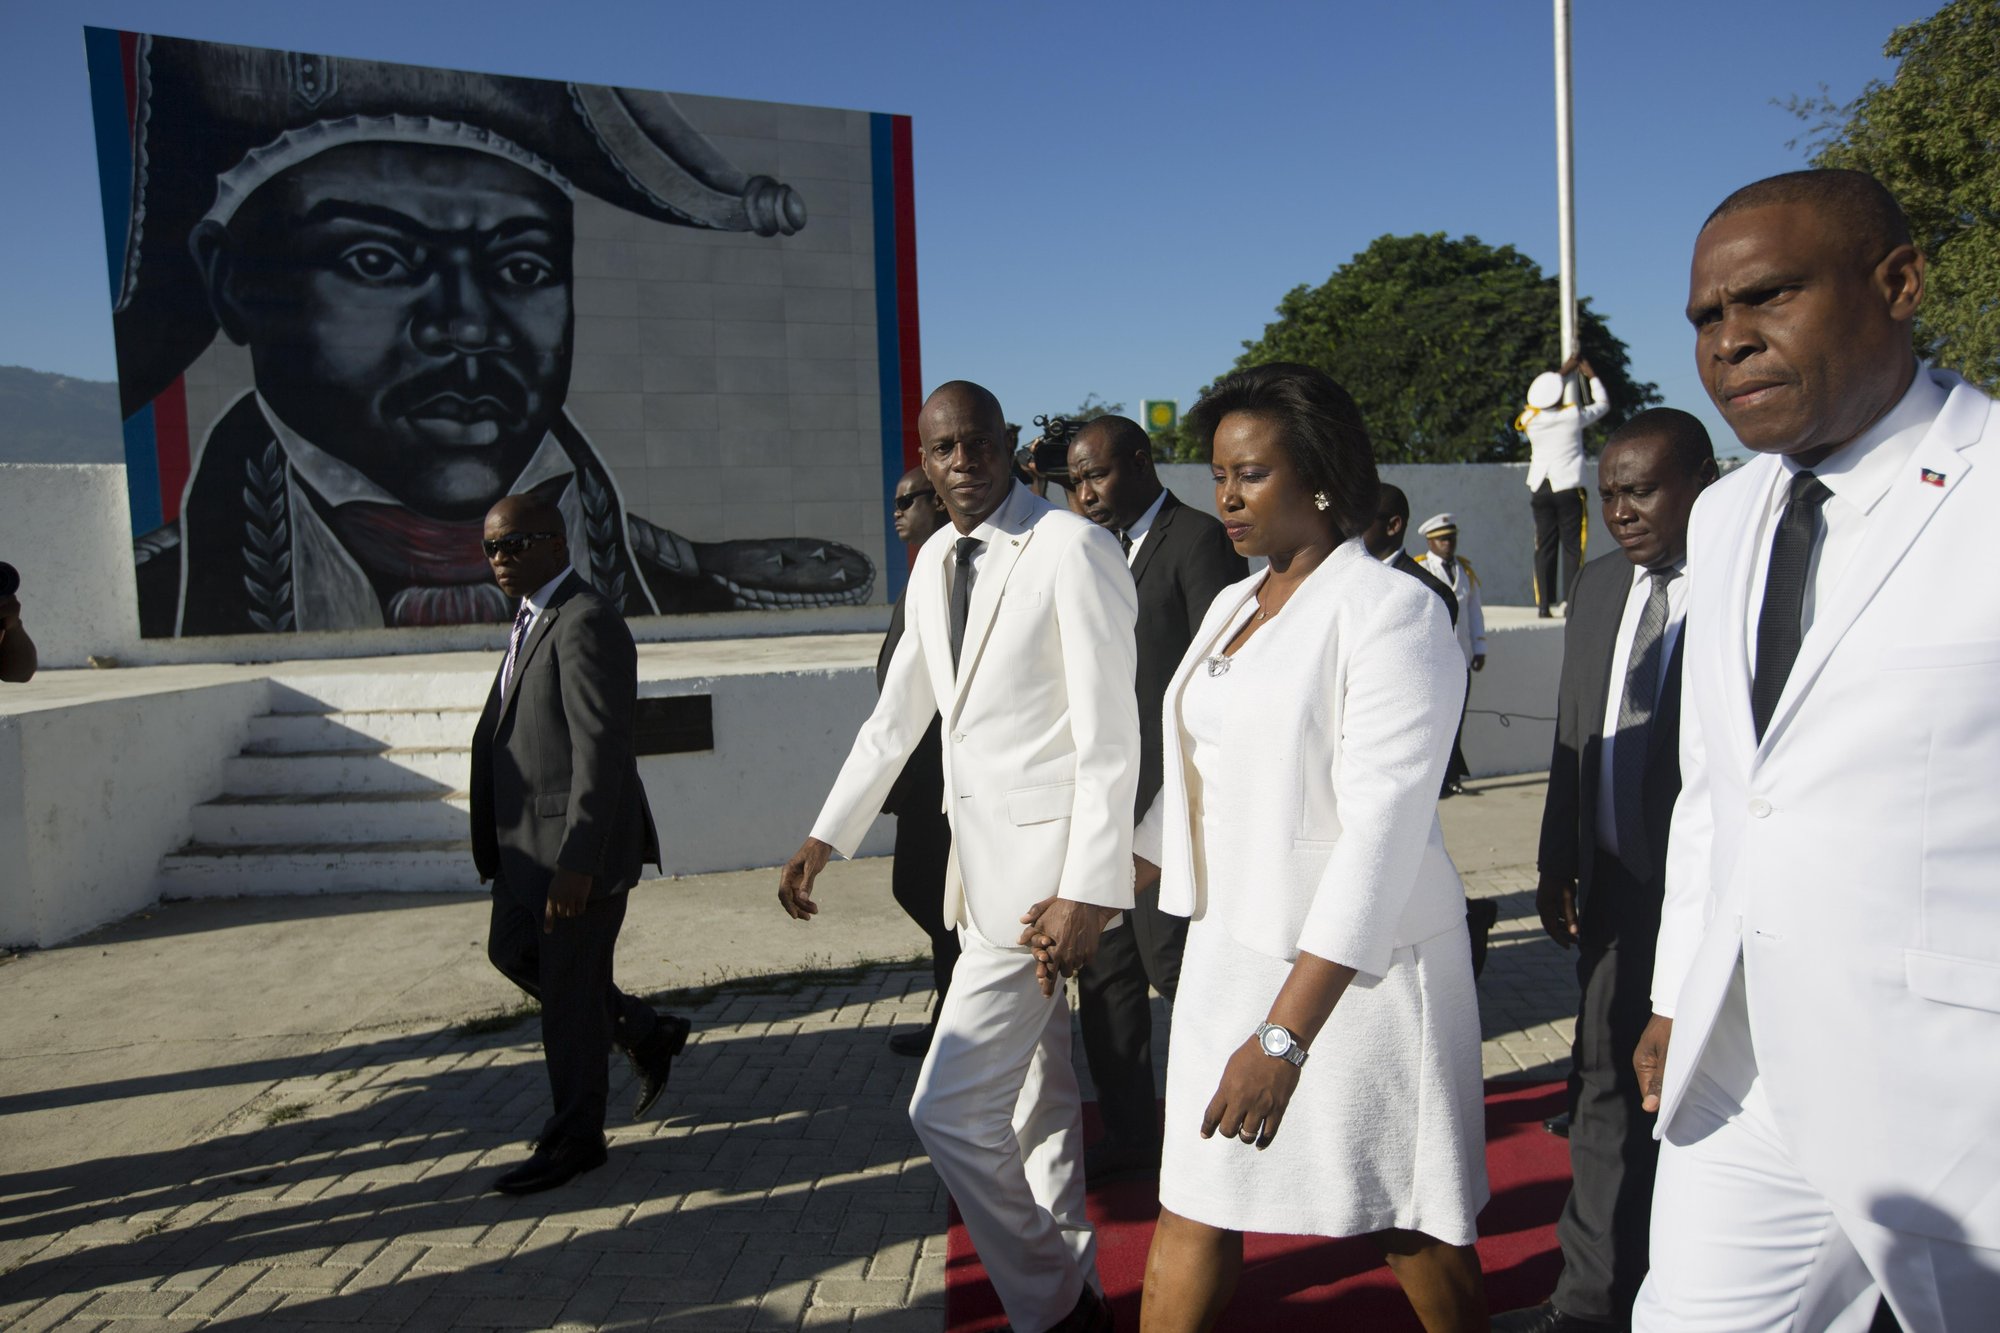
1116, 1015
1456, 769
916, 878
1572, 527
1604, 1224
569, 971
1548, 542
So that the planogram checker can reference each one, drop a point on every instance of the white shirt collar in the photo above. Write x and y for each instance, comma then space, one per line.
538, 600
1860, 471
1390, 558
1144, 524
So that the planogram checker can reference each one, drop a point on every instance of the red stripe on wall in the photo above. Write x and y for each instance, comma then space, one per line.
908, 341
170, 442
128, 52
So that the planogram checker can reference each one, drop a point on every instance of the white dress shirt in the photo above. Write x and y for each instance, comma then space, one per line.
536, 602
1136, 534
1859, 475
1621, 663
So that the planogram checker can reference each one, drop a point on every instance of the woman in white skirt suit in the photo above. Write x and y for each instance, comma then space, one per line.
1324, 1073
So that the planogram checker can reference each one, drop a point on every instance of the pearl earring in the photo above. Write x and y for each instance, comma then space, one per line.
1320, 502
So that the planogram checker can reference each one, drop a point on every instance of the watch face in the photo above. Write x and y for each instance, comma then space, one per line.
1276, 1041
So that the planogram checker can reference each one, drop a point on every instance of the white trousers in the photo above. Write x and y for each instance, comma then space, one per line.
1742, 1243
998, 1111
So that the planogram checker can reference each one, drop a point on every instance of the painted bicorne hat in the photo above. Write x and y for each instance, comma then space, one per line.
211, 123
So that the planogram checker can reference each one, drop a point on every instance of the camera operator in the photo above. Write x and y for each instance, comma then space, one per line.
1045, 459
17, 651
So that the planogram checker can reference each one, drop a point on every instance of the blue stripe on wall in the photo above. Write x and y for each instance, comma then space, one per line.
142, 471
888, 347
114, 144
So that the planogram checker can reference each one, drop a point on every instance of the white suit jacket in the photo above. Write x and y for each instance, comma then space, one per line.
1339, 854
1852, 860
1555, 437
1041, 724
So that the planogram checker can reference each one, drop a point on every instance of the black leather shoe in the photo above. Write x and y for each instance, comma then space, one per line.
916, 1044
653, 1059
1109, 1160
1558, 1125
1091, 1315
553, 1165
1545, 1318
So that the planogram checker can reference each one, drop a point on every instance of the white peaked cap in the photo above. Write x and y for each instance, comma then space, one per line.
1546, 391
1436, 524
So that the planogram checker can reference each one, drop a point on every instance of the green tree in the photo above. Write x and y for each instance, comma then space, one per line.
1932, 135
1437, 339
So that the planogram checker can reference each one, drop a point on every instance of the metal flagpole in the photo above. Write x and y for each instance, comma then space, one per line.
1565, 185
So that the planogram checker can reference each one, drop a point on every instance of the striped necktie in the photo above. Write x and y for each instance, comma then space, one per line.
522, 619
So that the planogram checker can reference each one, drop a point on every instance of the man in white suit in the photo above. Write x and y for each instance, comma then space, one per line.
1019, 631
1825, 1050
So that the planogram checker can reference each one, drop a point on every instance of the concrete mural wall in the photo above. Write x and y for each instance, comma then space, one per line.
357, 302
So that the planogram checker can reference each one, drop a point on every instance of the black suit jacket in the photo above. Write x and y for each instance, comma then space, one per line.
555, 782
1408, 565
1185, 560
1569, 819
919, 789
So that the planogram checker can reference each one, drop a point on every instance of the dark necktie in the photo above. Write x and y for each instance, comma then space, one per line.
961, 595
522, 619
1635, 721
1125, 542
1779, 621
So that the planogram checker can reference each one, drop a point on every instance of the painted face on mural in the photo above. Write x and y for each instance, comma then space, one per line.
407, 309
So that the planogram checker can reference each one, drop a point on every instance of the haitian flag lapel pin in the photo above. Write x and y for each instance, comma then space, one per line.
1930, 478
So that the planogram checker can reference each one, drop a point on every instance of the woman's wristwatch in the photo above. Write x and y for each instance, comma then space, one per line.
1276, 1041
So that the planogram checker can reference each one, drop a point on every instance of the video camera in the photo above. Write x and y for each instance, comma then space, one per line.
1047, 455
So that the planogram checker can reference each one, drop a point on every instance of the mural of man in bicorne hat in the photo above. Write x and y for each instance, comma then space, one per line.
393, 246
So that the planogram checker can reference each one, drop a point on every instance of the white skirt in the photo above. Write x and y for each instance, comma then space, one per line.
1387, 1128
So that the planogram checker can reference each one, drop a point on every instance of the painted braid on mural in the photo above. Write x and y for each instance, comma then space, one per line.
394, 247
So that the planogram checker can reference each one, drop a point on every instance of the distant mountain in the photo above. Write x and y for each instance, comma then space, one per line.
48, 418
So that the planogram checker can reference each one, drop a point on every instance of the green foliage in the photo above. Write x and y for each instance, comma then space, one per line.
1437, 339
1092, 407
1932, 135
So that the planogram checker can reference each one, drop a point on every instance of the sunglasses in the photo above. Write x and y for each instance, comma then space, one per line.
515, 543
905, 501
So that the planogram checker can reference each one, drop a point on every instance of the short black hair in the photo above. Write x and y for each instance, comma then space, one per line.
1125, 435
1319, 426
1682, 431
1392, 504
1860, 206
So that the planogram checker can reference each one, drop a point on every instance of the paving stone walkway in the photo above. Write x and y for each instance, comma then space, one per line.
780, 1189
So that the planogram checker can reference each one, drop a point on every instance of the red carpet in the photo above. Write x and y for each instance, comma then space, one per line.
1293, 1282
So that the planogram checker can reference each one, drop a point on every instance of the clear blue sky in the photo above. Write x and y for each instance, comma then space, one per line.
1110, 197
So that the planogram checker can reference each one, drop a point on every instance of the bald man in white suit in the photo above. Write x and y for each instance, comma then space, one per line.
1825, 1050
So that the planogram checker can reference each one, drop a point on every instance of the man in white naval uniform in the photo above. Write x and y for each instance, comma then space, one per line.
1554, 422
1824, 1053
1443, 562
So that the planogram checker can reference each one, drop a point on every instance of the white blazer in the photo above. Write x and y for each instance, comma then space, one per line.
1041, 723
1852, 860
1340, 853
1555, 436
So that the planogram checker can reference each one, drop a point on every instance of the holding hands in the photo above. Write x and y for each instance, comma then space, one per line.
1064, 936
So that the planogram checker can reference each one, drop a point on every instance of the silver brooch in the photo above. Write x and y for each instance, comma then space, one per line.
1218, 666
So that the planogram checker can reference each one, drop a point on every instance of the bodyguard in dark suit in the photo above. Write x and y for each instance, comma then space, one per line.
1180, 559
923, 833
1612, 784
561, 827
1384, 540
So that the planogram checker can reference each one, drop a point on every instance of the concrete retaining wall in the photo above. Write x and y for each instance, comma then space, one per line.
93, 794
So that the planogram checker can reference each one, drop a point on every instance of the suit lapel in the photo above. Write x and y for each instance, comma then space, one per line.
543, 624
1156, 536
1731, 643
1902, 514
987, 585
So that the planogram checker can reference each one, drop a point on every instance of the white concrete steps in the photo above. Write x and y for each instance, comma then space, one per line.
202, 870
359, 768
291, 732
332, 818
338, 795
